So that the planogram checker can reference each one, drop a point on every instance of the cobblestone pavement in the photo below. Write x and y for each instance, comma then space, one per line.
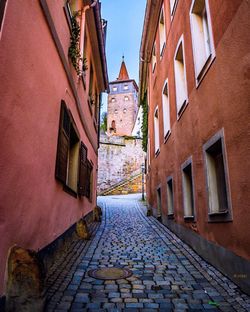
167, 274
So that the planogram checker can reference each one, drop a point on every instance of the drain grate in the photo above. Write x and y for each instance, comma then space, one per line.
110, 273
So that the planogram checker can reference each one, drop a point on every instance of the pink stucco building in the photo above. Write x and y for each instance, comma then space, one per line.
49, 119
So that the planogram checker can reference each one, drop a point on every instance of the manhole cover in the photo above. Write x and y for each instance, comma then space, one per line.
110, 273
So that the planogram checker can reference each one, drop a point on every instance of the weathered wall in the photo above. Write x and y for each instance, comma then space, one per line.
34, 209
118, 159
220, 101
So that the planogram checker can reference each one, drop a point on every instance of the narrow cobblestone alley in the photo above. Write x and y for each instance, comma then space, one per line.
167, 274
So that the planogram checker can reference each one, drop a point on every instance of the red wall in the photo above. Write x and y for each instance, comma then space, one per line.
34, 209
220, 101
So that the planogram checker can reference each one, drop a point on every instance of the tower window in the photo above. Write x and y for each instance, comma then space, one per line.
125, 87
114, 89
113, 100
125, 110
126, 98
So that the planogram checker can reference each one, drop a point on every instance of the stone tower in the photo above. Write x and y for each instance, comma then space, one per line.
122, 104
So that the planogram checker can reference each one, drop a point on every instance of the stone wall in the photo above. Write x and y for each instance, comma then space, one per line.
120, 158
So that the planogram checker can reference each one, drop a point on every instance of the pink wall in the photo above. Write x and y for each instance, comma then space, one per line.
34, 209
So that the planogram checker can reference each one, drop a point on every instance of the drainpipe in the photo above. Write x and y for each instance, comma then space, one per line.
83, 11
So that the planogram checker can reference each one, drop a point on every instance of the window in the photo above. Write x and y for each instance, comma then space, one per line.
126, 98
173, 4
156, 131
217, 179
162, 31
113, 126
201, 36
91, 79
158, 203
153, 61
180, 78
67, 150
2, 11
112, 100
114, 88
124, 110
187, 189
116, 111
125, 87
166, 110
170, 197
71, 165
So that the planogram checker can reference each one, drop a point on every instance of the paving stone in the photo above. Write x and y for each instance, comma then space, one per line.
167, 274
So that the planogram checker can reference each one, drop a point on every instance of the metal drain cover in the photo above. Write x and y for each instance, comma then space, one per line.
109, 273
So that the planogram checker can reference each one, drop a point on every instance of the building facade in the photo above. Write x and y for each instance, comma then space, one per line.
194, 73
120, 152
53, 71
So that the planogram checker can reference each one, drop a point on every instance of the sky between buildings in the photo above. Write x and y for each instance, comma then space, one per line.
125, 22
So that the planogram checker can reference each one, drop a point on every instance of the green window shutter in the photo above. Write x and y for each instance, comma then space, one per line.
63, 144
83, 170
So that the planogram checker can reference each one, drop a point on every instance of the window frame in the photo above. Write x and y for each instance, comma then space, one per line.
218, 216
153, 58
170, 214
173, 6
186, 164
162, 31
168, 132
200, 73
180, 108
157, 150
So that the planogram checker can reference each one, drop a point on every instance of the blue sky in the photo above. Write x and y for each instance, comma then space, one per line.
125, 22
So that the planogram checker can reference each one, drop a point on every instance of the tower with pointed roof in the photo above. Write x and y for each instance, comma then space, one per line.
122, 104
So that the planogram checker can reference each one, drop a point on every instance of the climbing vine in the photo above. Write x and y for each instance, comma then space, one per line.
74, 48
144, 127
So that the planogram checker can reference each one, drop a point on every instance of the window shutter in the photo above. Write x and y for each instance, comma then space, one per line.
88, 184
83, 170
63, 144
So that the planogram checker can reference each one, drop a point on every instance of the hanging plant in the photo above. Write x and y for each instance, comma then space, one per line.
74, 48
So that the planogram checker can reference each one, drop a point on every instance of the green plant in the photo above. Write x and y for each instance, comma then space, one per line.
104, 122
74, 48
144, 127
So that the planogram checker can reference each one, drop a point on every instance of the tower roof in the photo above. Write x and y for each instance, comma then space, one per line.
123, 75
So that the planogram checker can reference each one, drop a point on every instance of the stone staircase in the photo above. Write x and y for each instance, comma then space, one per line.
126, 186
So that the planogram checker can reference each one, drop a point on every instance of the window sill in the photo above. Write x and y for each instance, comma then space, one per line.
182, 109
68, 190
218, 213
162, 50
171, 216
167, 135
204, 70
188, 218
157, 152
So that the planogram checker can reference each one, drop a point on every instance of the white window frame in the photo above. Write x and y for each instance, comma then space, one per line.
173, 5
181, 102
214, 212
157, 130
201, 66
153, 60
170, 200
162, 31
166, 111
188, 194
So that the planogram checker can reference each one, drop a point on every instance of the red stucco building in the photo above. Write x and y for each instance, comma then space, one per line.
194, 71
53, 71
